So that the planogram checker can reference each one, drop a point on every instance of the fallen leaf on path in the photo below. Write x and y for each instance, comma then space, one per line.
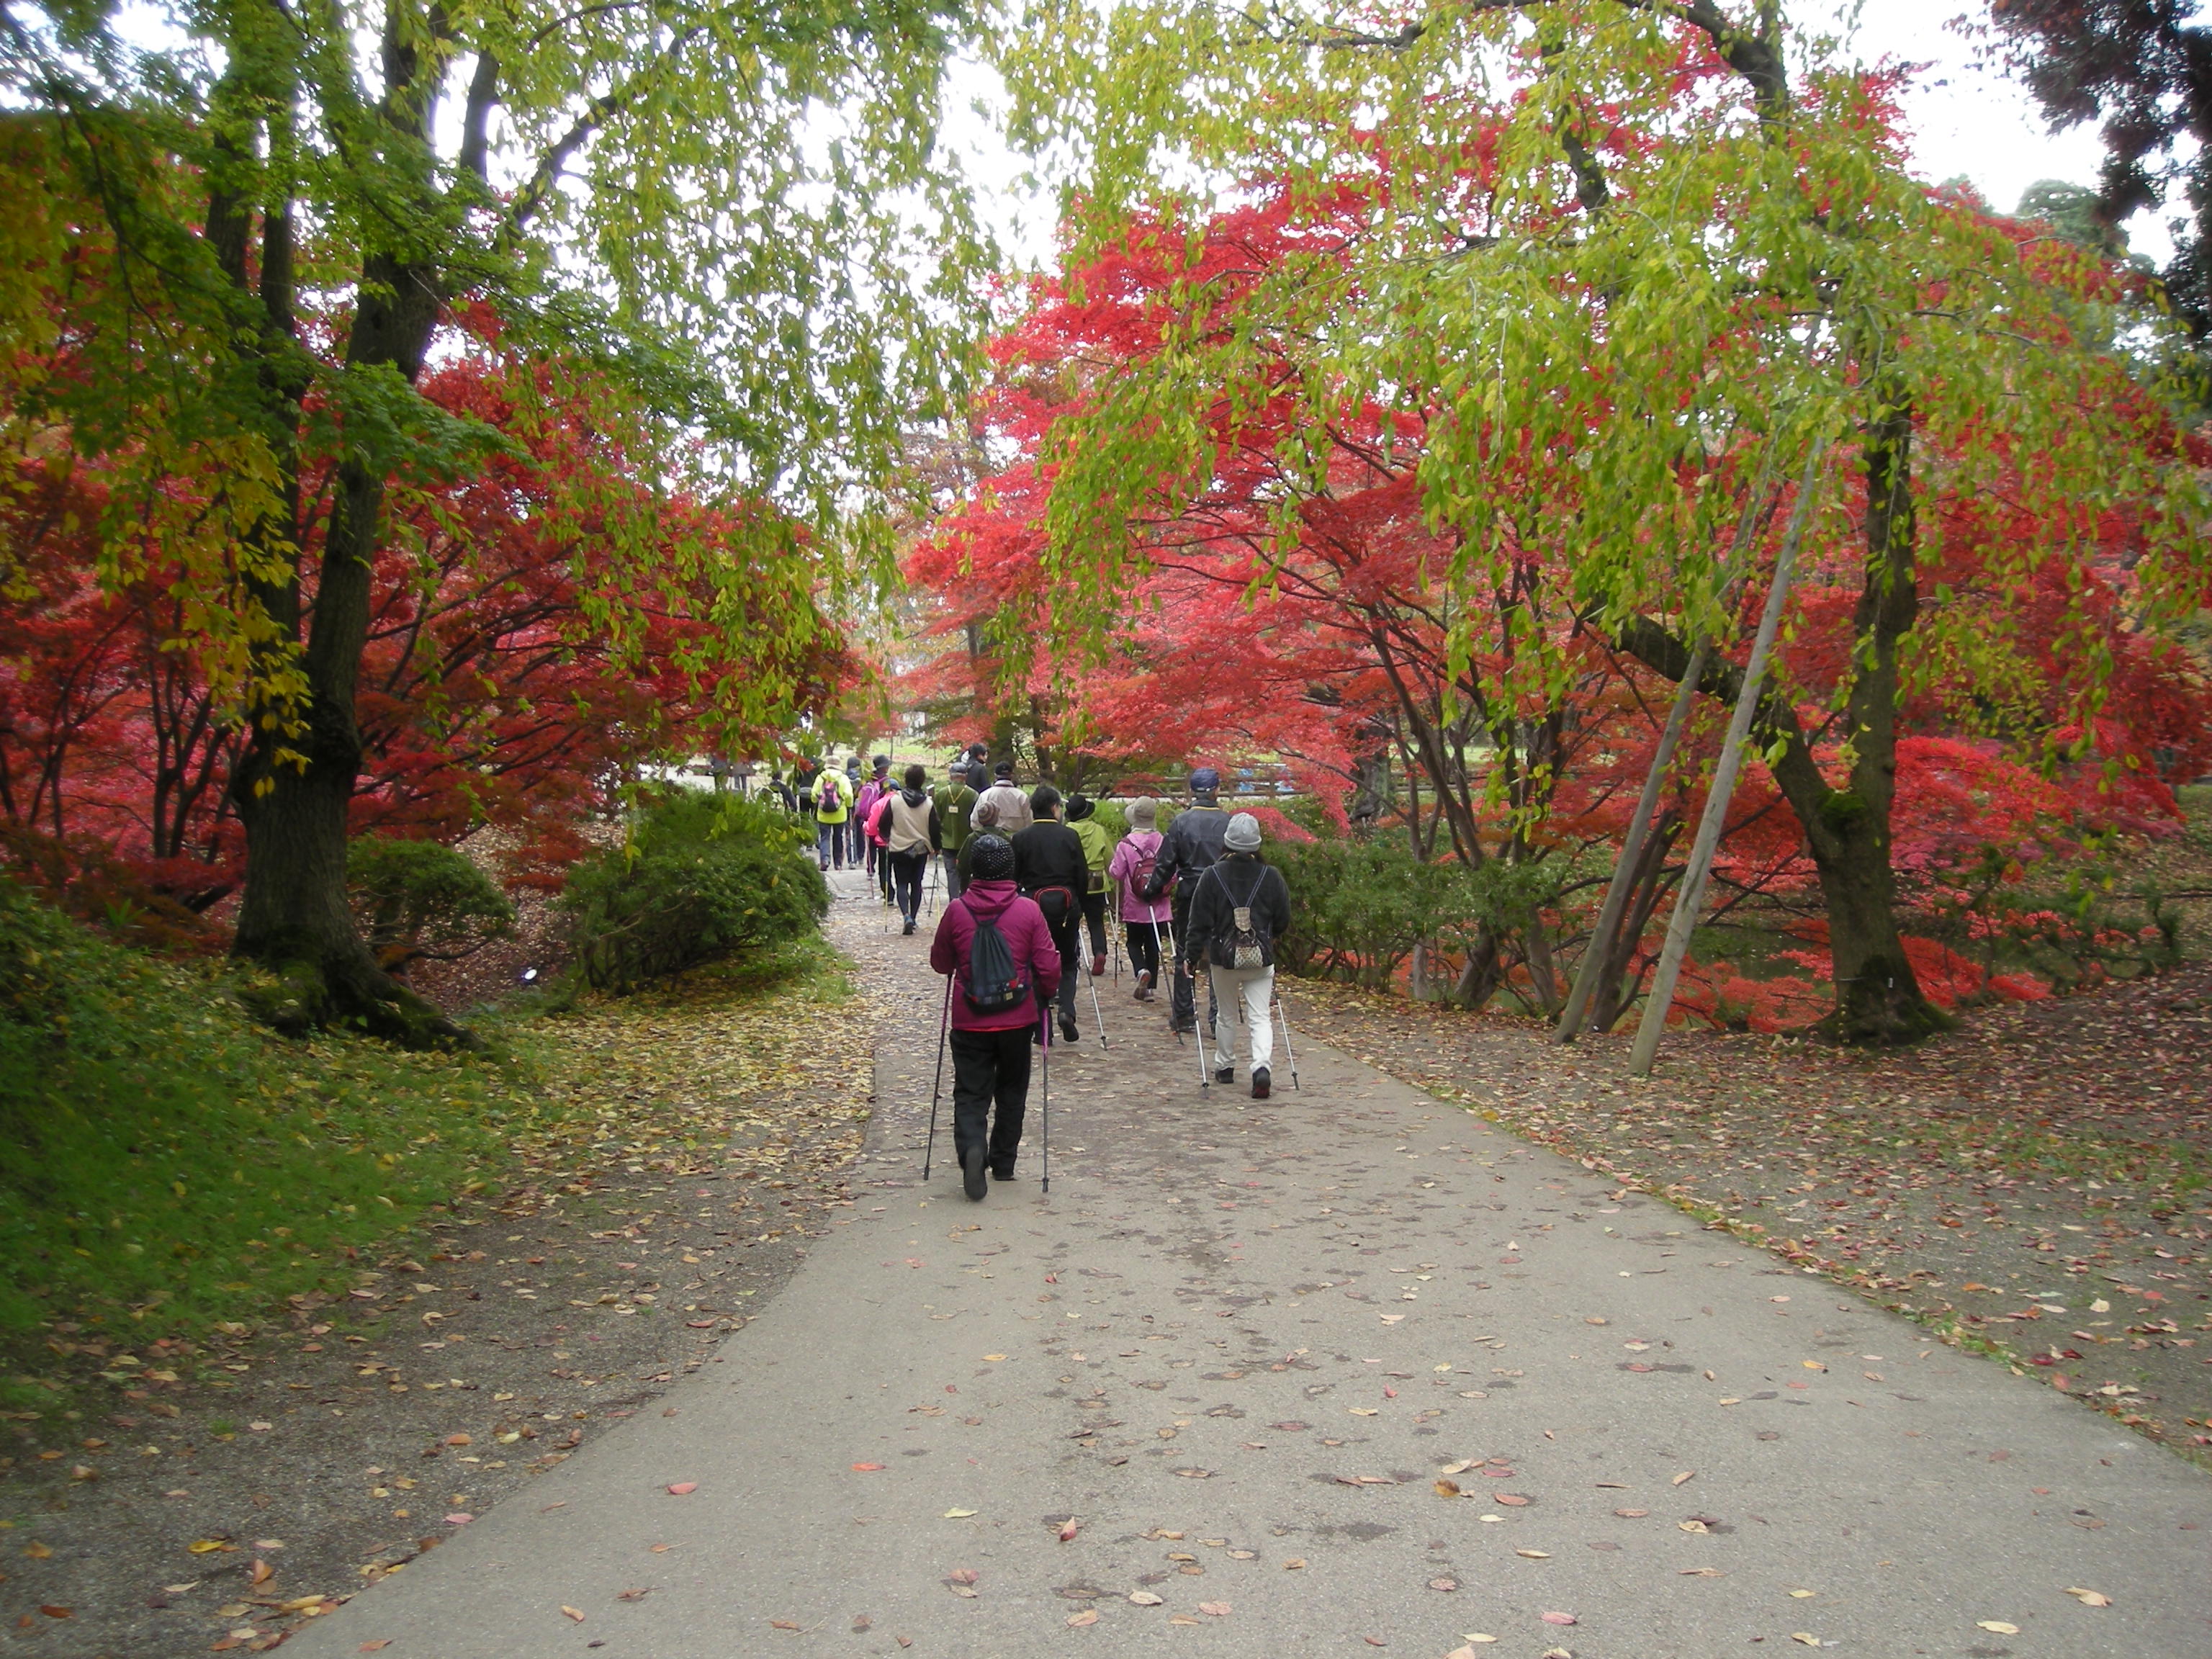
1700, 1572
865, 1468
458, 1519
682, 1488
1294, 1563
1684, 1475
577, 1613
1512, 1500
957, 1515
208, 1546
962, 1576
1068, 1528
1147, 1599
1631, 1515
59, 1612
1561, 1618
1692, 1526
1996, 1626
1801, 1594
1534, 1555
1447, 1584
1214, 1609
377, 1646
994, 1359
773, 1624
1088, 1616
1460, 1467
638, 1594
1375, 1641
1806, 1637
2088, 1598
260, 1573
1447, 1489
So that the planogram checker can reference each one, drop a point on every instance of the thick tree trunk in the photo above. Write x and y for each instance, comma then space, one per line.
294, 786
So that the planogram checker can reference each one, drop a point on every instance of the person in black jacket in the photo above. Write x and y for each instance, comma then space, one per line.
1192, 843
1051, 867
1239, 908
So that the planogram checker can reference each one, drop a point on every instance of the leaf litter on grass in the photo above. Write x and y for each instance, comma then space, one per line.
677, 1145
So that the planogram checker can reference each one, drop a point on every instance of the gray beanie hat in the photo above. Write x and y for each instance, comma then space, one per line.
1243, 834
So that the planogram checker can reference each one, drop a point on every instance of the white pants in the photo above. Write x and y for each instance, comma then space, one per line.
1253, 989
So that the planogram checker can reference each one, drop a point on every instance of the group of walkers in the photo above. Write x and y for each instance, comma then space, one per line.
1029, 878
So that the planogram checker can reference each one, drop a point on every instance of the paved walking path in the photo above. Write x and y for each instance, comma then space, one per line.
1238, 1344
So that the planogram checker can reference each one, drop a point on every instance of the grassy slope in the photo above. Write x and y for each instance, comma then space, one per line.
166, 1166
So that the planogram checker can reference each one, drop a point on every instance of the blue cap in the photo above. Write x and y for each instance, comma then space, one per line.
1205, 782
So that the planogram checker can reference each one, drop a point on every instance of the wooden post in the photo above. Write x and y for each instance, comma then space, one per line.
1691, 898
1624, 873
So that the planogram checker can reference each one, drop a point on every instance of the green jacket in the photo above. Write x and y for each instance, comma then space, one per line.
1097, 850
954, 803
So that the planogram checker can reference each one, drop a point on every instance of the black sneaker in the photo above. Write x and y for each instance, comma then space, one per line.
1225, 1074
1002, 1172
1259, 1082
1069, 1031
908, 929
971, 1173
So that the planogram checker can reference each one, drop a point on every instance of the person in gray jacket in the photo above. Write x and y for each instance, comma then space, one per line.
1239, 907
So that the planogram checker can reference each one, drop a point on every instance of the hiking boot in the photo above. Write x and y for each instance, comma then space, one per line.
1002, 1172
1259, 1082
1143, 991
908, 929
1068, 1028
1225, 1074
1098, 965
971, 1173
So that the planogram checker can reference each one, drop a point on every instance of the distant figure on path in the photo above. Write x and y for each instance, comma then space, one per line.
1051, 867
833, 804
1004, 968
911, 830
1014, 806
956, 799
1143, 920
1097, 852
1240, 908
1192, 843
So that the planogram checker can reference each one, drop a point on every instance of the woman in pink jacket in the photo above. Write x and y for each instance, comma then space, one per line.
991, 1047
1146, 924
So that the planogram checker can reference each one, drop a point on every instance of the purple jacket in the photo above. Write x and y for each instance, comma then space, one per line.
1028, 939
1135, 846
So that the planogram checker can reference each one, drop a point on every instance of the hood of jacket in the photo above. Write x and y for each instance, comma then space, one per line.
914, 797
988, 900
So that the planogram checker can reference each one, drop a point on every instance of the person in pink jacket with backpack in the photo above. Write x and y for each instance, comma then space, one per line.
1146, 923
1004, 968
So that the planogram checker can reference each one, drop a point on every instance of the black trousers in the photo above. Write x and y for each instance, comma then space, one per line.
1183, 1005
1068, 939
1144, 948
991, 1068
906, 877
1094, 918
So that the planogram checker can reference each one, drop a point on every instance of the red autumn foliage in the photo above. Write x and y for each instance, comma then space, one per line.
1327, 647
490, 694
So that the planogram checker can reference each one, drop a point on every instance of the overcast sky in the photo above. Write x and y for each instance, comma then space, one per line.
1964, 121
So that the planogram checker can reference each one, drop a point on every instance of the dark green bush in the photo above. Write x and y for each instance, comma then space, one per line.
1359, 905
421, 900
703, 879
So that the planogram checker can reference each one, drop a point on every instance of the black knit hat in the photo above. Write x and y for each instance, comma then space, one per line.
992, 859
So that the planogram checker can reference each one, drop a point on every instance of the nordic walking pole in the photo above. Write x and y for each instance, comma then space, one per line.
1044, 1043
1289, 1053
1159, 957
1205, 1059
1690, 896
1096, 1012
944, 1021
